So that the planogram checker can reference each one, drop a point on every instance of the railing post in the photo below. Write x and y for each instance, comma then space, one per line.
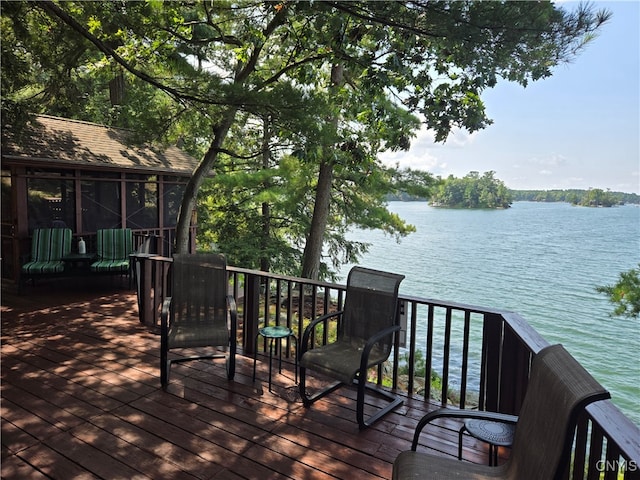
142, 268
251, 312
491, 353
514, 373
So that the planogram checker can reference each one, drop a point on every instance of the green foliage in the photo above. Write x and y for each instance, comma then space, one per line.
597, 197
472, 191
435, 380
265, 93
625, 294
576, 197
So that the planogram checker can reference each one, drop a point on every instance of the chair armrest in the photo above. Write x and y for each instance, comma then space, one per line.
165, 313
371, 342
233, 314
310, 328
451, 413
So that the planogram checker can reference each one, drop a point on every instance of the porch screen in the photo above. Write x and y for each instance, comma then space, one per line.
100, 205
50, 200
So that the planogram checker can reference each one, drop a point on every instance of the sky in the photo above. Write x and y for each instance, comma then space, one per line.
579, 128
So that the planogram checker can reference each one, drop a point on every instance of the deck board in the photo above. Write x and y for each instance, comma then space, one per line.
81, 398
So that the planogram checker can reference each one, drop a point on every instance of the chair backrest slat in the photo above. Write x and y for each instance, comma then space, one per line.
50, 244
114, 243
199, 292
371, 305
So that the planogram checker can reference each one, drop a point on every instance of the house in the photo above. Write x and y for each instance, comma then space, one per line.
85, 176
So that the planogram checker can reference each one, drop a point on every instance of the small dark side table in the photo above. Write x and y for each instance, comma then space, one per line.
79, 261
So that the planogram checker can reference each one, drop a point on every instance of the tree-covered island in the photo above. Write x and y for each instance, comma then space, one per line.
472, 191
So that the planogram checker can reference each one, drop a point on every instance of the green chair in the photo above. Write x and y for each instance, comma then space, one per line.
200, 315
559, 390
114, 245
365, 335
48, 247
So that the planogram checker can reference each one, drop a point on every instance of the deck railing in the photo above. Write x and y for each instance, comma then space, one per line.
461, 356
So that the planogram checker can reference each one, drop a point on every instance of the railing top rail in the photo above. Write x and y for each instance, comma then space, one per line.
627, 433
455, 305
286, 278
518, 324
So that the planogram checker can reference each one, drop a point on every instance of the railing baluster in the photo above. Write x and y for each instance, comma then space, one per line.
429, 352
412, 351
445, 357
595, 453
465, 359
580, 449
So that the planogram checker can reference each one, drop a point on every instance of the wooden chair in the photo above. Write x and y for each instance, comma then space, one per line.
365, 334
559, 389
48, 247
199, 316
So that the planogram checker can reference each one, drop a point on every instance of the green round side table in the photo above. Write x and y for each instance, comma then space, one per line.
274, 333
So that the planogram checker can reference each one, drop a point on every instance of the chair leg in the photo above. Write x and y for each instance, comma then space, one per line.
231, 362
231, 366
255, 355
302, 387
307, 400
462, 430
394, 402
165, 367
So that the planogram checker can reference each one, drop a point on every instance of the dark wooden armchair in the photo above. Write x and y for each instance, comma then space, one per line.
559, 389
365, 334
199, 316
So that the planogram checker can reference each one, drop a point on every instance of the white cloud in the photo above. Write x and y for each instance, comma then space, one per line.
461, 138
551, 160
415, 159
426, 154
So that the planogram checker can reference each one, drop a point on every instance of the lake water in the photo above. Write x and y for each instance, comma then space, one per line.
542, 260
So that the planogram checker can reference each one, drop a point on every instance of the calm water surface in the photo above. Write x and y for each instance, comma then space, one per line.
542, 260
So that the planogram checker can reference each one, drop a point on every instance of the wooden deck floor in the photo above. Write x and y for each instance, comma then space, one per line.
81, 398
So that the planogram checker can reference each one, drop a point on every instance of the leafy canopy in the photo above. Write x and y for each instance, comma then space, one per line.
253, 87
625, 294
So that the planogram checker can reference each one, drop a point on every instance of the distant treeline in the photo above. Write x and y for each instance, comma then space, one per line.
593, 197
476, 190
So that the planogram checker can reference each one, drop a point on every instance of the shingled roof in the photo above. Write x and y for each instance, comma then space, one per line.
59, 141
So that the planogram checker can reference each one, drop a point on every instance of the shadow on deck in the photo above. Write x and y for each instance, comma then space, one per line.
81, 398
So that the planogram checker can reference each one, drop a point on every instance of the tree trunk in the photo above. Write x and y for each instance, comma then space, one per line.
313, 247
315, 240
205, 167
265, 261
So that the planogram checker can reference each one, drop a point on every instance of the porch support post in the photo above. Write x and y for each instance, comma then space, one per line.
251, 312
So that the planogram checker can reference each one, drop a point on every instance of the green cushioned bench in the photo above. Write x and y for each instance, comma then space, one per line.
48, 247
114, 246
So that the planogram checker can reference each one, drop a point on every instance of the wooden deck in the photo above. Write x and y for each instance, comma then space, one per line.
81, 398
